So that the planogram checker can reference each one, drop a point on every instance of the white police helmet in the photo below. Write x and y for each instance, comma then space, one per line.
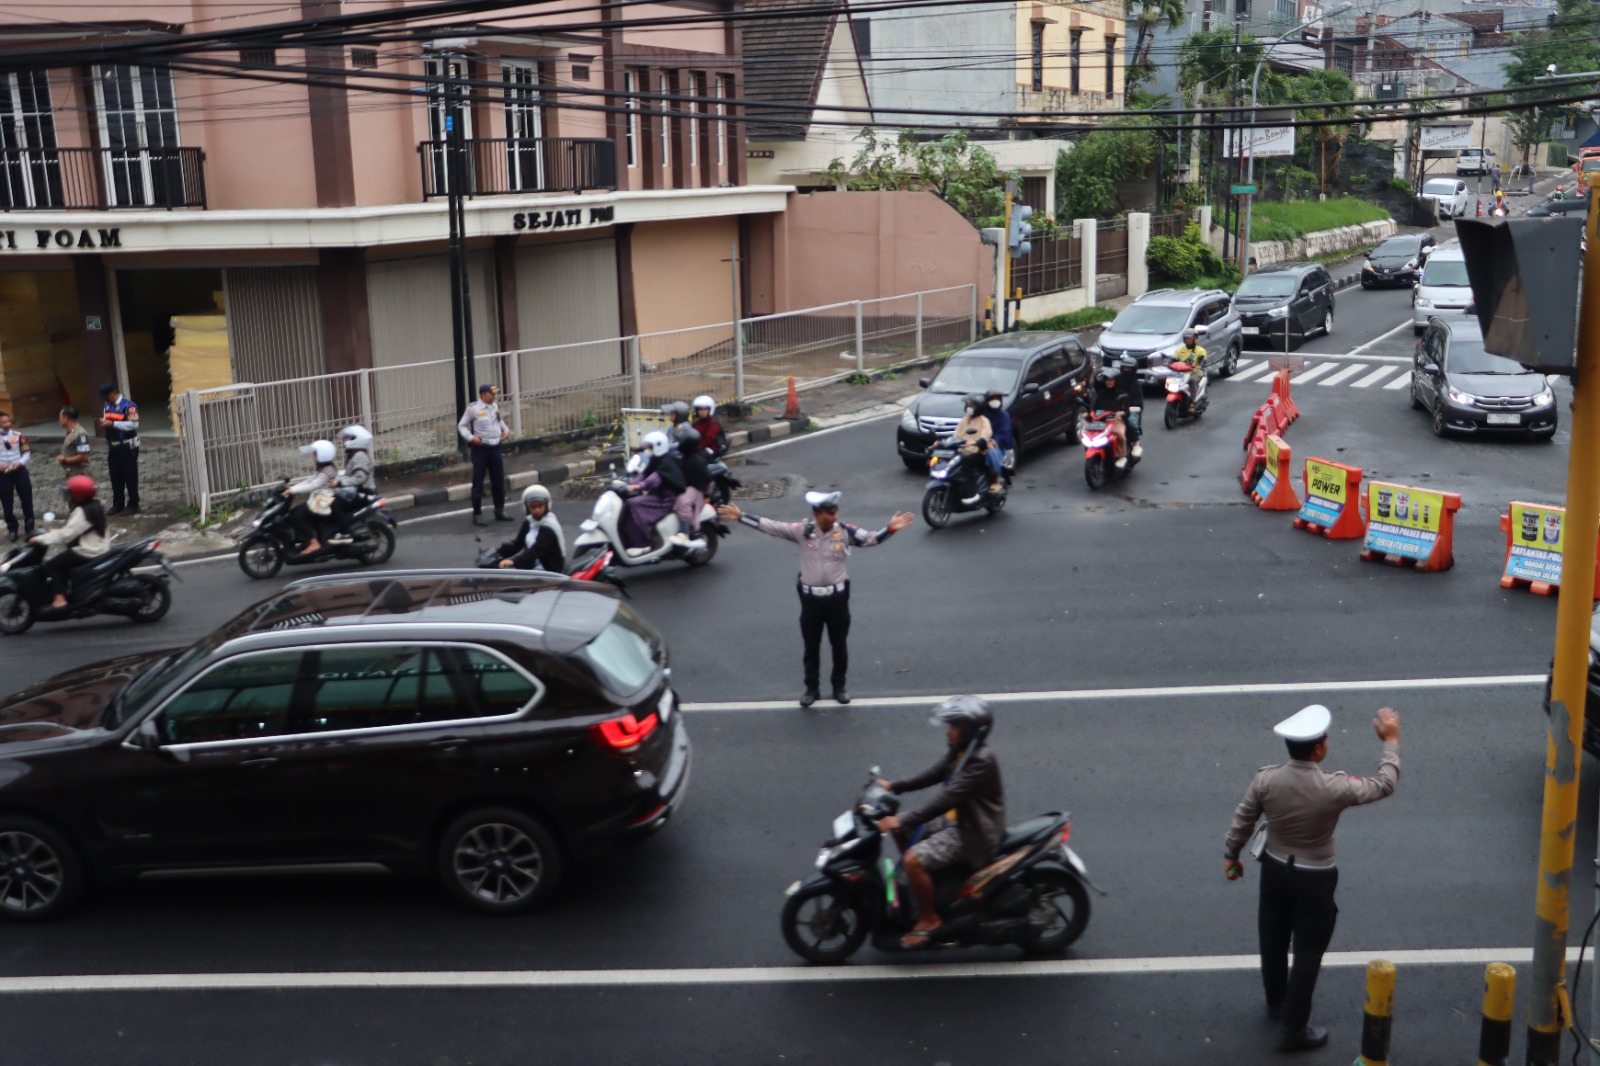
657, 442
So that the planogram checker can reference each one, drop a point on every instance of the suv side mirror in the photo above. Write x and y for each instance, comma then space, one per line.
1030, 388
147, 737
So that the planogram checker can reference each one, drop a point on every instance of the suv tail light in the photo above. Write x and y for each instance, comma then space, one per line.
623, 733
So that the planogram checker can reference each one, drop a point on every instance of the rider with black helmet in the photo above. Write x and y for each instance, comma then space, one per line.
969, 780
974, 437
1110, 395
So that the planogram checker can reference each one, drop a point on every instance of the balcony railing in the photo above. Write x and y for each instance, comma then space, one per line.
498, 165
101, 179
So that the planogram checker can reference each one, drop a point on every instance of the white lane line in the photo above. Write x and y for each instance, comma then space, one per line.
1373, 378
735, 975
1071, 695
1344, 375
1312, 374
1265, 367
1248, 366
1358, 349
795, 438
1400, 382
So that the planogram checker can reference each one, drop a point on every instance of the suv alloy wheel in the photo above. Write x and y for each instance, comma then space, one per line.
499, 860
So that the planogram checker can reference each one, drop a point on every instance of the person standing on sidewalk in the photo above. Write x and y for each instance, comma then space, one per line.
824, 586
14, 479
119, 417
1302, 803
77, 445
485, 432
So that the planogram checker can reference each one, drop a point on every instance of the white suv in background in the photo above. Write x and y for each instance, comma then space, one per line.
1474, 161
1442, 289
1448, 194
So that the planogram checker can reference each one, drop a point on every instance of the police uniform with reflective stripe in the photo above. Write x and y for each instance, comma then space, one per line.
15, 483
122, 432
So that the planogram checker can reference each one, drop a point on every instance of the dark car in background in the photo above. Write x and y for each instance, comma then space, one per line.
1289, 301
1035, 370
1468, 390
488, 727
1397, 260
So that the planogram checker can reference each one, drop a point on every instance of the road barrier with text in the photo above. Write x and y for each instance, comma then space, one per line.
1408, 526
1274, 489
1535, 548
1332, 506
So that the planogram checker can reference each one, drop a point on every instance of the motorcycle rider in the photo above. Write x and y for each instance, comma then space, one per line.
970, 790
705, 423
317, 491
974, 437
359, 476
538, 544
696, 483
83, 534
658, 486
678, 411
1190, 352
1108, 396
1005, 437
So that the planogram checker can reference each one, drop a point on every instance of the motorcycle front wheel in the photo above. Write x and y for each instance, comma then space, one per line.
1059, 913
825, 926
16, 613
1170, 419
1094, 471
260, 557
936, 506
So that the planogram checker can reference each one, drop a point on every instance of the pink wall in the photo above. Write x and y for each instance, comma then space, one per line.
833, 246
256, 137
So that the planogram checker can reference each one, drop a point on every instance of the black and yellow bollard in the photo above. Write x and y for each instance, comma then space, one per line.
1377, 1017
1494, 1037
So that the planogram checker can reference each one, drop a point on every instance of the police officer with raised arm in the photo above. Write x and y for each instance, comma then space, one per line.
1302, 803
119, 417
485, 431
824, 586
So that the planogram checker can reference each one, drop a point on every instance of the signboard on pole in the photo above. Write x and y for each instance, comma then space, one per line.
1274, 136
1438, 137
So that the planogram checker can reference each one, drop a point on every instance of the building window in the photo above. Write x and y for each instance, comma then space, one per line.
1111, 66
862, 29
364, 58
30, 168
666, 122
697, 125
724, 93
1433, 50
524, 126
1077, 61
1462, 48
1038, 57
139, 124
630, 84
580, 66
259, 57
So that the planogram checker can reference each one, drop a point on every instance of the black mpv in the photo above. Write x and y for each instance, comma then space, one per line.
489, 727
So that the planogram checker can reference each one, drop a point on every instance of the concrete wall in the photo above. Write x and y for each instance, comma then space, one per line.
1323, 242
679, 277
900, 73
831, 247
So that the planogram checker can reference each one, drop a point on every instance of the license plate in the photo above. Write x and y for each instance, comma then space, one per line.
1505, 420
1251, 331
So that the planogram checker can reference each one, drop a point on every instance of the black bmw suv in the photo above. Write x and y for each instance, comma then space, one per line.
489, 727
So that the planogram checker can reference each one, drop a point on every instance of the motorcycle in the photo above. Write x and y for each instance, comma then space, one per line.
272, 541
106, 585
722, 482
598, 570
600, 534
1034, 895
1099, 448
1181, 405
958, 483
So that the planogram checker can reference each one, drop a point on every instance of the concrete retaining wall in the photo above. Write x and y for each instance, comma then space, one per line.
1322, 242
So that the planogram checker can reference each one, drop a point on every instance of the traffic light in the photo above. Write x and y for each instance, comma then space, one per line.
1524, 276
1021, 230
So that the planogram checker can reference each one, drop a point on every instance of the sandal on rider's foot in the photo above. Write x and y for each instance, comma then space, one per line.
918, 938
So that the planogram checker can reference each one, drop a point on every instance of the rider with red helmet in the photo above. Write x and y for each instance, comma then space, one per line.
83, 534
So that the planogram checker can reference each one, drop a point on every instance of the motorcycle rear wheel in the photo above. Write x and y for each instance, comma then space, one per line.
16, 613
1094, 471
261, 557
824, 927
936, 506
382, 543
701, 558
158, 600
1059, 915
1170, 419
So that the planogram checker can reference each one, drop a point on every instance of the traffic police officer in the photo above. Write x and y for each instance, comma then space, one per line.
119, 417
825, 544
1302, 804
14, 479
482, 427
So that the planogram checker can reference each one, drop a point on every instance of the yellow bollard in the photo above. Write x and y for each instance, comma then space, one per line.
1377, 1016
1494, 1037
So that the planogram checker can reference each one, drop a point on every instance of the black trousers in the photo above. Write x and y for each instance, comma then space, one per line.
17, 482
58, 571
307, 526
123, 458
1296, 903
486, 459
833, 614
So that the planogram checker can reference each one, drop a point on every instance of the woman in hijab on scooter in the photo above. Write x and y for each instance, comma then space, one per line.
657, 492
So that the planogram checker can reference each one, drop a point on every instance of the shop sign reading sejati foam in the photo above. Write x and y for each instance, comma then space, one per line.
62, 240
563, 218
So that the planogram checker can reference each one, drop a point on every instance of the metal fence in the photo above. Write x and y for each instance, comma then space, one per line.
1054, 264
242, 437
1171, 225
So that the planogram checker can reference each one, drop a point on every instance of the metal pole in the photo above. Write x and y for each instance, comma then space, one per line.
972, 320
1005, 259
636, 369
514, 386
452, 191
738, 328
458, 152
1377, 1019
919, 325
1547, 1006
364, 384
861, 351
1494, 1031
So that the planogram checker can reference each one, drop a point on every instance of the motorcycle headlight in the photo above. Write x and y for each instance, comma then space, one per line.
908, 420
1278, 312
1460, 397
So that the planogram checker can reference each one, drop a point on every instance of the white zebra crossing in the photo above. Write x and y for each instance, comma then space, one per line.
1332, 373
1372, 378
1343, 375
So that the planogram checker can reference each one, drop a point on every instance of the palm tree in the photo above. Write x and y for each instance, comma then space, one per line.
1147, 15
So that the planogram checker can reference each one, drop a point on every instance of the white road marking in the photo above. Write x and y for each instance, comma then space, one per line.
795, 438
1372, 378
1312, 374
1249, 366
1400, 382
1071, 695
1358, 349
1342, 376
1265, 367
735, 975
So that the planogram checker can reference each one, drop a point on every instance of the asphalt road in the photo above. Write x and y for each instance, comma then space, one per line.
1166, 581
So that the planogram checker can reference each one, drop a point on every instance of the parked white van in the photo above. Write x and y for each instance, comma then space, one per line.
1443, 288
1449, 194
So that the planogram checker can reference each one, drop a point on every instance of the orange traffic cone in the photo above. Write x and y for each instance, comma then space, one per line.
792, 409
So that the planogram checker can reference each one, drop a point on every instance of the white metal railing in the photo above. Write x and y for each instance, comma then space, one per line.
242, 437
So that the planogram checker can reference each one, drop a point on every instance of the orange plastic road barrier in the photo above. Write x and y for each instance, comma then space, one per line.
1333, 501
1408, 526
1274, 489
1255, 461
1280, 389
792, 408
1270, 415
1535, 547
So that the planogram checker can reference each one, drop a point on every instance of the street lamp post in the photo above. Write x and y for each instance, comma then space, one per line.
1249, 145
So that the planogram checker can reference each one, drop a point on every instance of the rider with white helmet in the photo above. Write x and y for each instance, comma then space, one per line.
318, 491
712, 440
538, 543
658, 487
358, 476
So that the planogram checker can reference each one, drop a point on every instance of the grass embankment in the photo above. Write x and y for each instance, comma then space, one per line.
1286, 220
1088, 316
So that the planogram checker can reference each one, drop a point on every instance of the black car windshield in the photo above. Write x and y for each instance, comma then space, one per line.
1465, 355
1399, 246
1449, 272
1151, 319
1267, 285
970, 374
625, 656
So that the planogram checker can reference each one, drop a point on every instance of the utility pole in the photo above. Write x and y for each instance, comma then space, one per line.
455, 179
1230, 208
1005, 261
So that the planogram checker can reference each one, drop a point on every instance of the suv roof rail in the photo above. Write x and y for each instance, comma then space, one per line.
357, 578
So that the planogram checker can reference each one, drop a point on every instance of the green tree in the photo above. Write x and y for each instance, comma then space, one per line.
1209, 66
1089, 176
1146, 16
1571, 43
963, 174
1321, 86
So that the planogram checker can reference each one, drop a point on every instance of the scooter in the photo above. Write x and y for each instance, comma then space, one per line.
1099, 448
600, 533
598, 570
1181, 405
722, 482
106, 585
1034, 895
272, 541
958, 483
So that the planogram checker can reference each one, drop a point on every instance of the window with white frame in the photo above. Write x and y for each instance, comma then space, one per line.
524, 126
139, 124
30, 167
630, 84
666, 123
441, 112
724, 93
697, 87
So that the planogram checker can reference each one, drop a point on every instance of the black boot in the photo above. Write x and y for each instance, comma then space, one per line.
809, 696
500, 515
477, 514
1308, 1039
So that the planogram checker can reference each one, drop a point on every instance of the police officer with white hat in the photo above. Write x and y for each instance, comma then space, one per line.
825, 544
1302, 803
